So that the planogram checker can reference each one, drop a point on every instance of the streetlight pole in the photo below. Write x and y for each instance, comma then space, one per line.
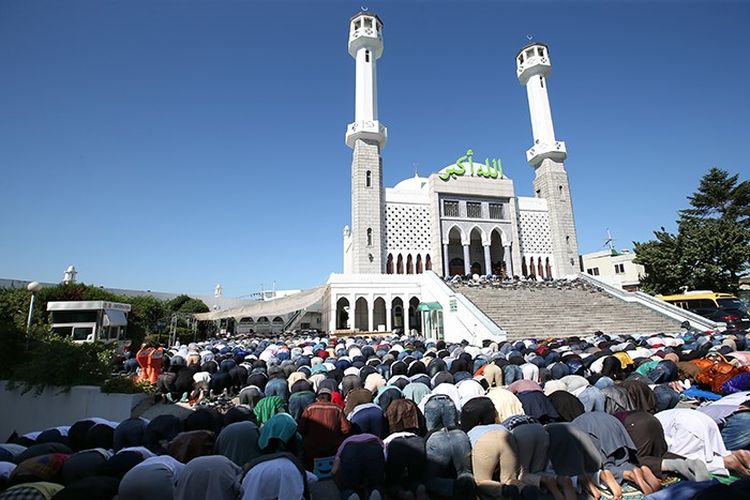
33, 287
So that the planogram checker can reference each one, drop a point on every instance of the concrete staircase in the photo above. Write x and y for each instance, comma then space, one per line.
561, 309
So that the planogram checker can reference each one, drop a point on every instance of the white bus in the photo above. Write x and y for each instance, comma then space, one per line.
90, 320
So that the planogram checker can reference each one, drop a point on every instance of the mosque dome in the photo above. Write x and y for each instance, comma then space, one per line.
415, 183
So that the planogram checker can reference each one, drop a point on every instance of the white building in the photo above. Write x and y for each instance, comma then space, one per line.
616, 268
466, 217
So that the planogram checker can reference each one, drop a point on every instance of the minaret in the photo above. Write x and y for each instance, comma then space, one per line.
547, 156
367, 136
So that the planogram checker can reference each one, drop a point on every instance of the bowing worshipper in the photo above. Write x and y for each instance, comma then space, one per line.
568, 407
301, 396
359, 466
153, 478
618, 452
693, 434
494, 451
239, 442
160, 431
267, 408
277, 476
533, 457
212, 477
368, 418
405, 467
447, 451
651, 448
279, 435
129, 433
250, 395
506, 403
323, 427
356, 397
572, 454
732, 414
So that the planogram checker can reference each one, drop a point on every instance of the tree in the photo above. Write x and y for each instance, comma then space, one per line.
711, 249
186, 304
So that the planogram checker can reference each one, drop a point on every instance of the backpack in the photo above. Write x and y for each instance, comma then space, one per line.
716, 375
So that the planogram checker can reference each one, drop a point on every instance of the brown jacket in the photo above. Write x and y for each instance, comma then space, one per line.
323, 427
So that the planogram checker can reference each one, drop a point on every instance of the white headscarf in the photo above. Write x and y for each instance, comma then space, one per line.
277, 478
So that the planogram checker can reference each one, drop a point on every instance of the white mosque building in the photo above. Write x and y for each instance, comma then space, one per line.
463, 219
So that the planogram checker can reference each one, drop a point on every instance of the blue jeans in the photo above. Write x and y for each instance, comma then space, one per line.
448, 460
439, 412
736, 432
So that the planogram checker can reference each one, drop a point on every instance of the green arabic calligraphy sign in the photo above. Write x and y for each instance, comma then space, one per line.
490, 170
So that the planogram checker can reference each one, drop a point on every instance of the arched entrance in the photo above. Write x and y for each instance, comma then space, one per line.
524, 268
378, 314
415, 317
361, 315
262, 325
397, 314
540, 268
455, 253
476, 252
497, 253
342, 314
548, 267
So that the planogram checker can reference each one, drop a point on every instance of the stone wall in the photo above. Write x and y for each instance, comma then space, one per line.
31, 412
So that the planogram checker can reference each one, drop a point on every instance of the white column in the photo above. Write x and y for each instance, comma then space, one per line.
352, 312
388, 309
508, 261
334, 317
487, 260
446, 262
407, 324
370, 314
467, 260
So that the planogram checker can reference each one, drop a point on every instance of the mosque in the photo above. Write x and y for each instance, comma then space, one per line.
464, 219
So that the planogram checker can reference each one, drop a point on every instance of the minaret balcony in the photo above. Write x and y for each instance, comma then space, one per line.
369, 130
540, 151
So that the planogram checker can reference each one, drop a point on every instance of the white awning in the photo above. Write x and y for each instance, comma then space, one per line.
113, 317
276, 307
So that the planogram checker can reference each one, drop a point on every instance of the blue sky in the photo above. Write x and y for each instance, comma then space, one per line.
171, 145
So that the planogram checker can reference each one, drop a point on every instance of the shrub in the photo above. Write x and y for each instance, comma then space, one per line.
127, 385
57, 361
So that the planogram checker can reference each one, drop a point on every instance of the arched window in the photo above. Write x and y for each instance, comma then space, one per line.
389, 264
524, 269
368, 179
400, 264
549, 268
540, 268
419, 264
369, 237
409, 265
427, 263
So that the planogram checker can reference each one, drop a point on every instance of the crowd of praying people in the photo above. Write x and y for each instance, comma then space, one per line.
603, 416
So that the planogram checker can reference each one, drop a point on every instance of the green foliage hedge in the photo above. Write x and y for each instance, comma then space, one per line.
55, 361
